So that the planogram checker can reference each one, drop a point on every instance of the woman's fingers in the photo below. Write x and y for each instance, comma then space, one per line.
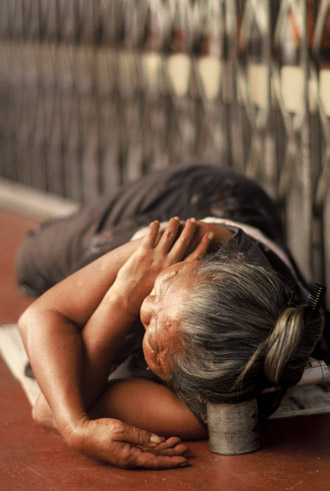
184, 240
173, 442
176, 246
150, 460
172, 446
149, 456
150, 239
123, 432
201, 248
169, 235
171, 452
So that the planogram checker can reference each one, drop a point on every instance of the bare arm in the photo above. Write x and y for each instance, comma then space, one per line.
148, 405
51, 332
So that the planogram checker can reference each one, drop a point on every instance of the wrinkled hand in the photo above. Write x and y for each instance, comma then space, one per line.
157, 252
117, 443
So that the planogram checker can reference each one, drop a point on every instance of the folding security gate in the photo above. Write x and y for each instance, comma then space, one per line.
95, 93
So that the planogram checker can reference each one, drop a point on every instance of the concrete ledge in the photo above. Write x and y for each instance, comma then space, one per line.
29, 201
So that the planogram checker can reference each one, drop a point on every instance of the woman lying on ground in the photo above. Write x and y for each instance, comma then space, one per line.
221, 302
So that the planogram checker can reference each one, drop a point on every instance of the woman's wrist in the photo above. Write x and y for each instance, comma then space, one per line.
122, 300
74, 433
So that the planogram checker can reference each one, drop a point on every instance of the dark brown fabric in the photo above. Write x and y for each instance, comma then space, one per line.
60, 247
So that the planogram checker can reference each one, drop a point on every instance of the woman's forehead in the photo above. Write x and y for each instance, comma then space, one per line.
178, 269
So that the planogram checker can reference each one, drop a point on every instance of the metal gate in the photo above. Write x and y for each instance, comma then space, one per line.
95, 93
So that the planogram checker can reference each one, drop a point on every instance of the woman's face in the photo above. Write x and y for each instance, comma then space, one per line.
161, 314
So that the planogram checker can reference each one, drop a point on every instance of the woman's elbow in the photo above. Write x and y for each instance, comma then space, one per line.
25, 322
30, 325
42, 414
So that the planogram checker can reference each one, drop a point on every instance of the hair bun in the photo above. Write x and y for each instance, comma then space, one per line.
292, 341
282, 343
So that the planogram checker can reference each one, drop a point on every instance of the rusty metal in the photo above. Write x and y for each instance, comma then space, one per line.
233, 428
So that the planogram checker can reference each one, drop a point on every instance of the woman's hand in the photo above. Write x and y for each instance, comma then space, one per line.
117, 443
157, 252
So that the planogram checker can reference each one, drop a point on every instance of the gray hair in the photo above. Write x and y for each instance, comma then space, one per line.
241, 334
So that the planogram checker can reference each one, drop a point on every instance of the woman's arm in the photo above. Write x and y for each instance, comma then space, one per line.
50, 330
148, 405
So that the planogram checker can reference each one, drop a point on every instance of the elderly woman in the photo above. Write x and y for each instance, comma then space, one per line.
222, 306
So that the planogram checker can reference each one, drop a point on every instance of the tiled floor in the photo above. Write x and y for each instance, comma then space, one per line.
295, 453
